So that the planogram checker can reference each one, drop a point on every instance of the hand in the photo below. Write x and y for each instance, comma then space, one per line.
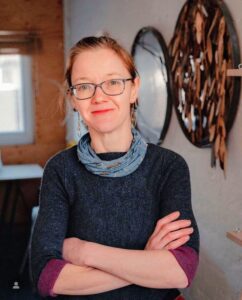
169, 234
74, 251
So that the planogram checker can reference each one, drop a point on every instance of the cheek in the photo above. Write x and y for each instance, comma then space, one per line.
127, 103
132, 96
123, 106
125, 111
83, 110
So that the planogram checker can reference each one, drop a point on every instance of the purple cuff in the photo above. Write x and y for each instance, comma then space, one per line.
188, 259
48, 277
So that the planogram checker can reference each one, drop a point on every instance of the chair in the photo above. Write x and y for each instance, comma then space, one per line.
34, 214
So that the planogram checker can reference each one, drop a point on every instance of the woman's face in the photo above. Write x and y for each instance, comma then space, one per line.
103, 113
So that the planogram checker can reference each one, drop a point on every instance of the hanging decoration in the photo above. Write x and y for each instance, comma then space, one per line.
203, 47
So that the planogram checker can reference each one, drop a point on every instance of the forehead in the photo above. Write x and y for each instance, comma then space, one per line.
97, 63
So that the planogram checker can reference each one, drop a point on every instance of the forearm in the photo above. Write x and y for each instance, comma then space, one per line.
149, 268
77, 280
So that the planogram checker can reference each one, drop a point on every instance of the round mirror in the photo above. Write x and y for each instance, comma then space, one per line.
155, 104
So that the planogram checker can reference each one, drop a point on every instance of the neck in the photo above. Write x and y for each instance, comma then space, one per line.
112, 141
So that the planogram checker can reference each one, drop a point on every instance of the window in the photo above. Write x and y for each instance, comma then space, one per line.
16, 101
16, 104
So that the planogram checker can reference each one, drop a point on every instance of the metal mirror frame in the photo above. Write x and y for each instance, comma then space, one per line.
164, 49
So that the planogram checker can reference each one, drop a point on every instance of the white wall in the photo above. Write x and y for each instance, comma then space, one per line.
217, 202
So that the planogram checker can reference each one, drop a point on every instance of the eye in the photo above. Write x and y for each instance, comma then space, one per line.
114, 82
83, 87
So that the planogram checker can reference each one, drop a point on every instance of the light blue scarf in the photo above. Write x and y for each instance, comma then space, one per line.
119, 167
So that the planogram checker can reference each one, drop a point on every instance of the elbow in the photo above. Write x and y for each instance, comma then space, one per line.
49, 276
175, 281
186, 265
182, 283
180, 280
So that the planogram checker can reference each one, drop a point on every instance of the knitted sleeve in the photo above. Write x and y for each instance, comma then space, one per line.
176, 195
51, 224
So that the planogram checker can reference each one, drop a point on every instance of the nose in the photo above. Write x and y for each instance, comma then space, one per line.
99, 95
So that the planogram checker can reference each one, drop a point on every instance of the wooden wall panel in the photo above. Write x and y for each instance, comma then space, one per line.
46, 18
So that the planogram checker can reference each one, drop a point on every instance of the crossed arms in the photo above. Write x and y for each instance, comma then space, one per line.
94, 268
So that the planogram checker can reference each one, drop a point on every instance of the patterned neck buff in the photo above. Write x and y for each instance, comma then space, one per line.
119, 167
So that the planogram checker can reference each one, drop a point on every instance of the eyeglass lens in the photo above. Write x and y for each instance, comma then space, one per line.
110, 87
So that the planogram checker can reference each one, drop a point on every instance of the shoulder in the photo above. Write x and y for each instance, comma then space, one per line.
166, 156
63, 158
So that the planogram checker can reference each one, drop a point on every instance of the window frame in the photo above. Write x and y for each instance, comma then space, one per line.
27, 135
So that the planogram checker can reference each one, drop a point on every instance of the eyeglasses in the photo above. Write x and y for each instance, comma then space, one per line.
111, 87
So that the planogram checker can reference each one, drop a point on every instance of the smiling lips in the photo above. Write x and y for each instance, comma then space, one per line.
101, 111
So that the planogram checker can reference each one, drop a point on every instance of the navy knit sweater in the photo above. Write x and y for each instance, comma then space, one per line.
119, 212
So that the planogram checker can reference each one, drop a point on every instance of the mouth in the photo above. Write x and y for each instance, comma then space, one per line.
101, 111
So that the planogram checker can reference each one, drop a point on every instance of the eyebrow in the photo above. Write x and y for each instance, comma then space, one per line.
81, 78
111, 74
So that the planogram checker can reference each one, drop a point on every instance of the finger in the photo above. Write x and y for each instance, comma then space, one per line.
167, 219
157, 243
179, 236
173, 226
175, 235
177, 243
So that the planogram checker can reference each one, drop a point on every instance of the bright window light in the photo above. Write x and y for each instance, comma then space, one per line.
16, 107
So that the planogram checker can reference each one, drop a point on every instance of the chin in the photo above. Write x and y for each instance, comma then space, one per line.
103, 127
108, 125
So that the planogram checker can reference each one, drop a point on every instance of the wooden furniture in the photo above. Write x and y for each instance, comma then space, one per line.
235, 236
12, 175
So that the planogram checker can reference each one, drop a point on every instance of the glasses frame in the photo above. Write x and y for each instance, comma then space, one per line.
73, 87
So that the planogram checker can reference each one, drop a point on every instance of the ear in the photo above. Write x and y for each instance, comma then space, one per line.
135, 90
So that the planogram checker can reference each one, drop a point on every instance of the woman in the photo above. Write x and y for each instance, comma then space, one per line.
115, 219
